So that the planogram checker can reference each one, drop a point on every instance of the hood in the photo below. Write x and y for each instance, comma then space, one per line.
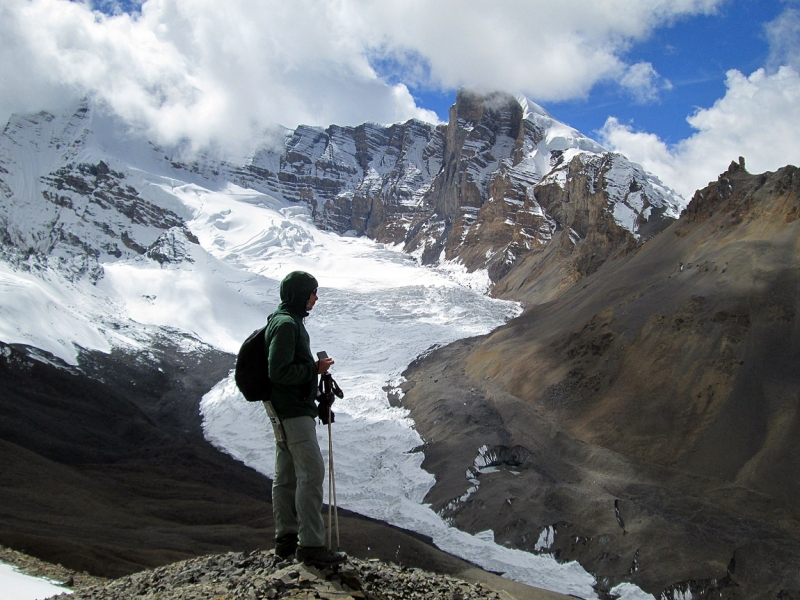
296, 289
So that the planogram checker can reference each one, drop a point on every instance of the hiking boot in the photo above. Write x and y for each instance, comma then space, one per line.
319, 556
286, 545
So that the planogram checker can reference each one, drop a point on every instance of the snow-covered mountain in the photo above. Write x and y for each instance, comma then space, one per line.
486, 190
127, 273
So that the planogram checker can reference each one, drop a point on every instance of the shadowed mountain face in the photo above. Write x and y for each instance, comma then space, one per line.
650, 414
105, 468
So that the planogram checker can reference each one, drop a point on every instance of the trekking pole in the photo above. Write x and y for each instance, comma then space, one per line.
327, 390
332, 481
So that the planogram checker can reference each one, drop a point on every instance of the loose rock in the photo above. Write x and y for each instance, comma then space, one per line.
261, 575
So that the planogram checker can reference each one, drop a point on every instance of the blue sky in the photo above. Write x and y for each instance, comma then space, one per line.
681, 86
693, 54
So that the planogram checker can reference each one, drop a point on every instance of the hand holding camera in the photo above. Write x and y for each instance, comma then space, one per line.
324, 363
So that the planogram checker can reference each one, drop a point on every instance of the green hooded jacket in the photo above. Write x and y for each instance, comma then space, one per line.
292, 369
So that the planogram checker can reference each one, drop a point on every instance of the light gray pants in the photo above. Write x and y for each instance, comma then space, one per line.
297, 487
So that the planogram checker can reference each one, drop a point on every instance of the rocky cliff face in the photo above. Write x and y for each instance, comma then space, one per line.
513, 178
495, 185
64, 206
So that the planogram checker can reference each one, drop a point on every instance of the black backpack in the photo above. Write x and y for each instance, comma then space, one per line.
252, 368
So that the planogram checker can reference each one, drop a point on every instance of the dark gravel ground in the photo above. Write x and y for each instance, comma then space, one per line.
244, 576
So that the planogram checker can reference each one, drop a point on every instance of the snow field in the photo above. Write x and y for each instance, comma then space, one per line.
18, 586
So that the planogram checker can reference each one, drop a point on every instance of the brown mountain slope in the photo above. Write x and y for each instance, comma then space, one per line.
699, 324
649, 412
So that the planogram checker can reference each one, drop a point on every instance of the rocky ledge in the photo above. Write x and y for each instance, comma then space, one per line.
261, 575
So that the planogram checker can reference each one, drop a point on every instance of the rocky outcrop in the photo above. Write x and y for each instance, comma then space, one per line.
171, 247
260, 574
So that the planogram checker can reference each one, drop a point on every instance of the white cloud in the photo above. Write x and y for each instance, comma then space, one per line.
758, 118
188, 68
784, 39
644, 83
547, 50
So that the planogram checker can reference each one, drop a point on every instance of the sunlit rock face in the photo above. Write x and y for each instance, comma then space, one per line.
491, 187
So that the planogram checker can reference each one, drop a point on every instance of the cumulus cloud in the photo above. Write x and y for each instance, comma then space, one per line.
547, 50
190, 70
182, 68
758, 118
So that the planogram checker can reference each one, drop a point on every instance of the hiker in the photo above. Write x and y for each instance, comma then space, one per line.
299, 468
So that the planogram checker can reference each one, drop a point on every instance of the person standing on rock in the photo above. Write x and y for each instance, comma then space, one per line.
299, 468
